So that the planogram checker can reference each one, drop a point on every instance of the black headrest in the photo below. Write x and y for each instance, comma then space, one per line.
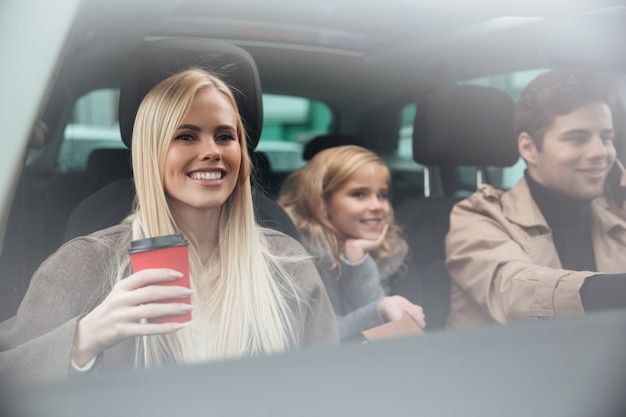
319, 143
262, 166
465, 125
155, 60
106, 165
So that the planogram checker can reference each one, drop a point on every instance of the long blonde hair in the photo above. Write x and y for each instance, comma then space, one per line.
305, 192
242, 295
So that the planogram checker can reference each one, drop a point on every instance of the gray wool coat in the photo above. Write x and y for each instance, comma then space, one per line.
37, 342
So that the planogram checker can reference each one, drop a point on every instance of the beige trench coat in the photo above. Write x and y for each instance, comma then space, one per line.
504, 265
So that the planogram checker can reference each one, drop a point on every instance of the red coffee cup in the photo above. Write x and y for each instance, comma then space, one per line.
170, 251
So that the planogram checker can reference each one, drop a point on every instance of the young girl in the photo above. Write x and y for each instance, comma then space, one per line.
339, 202
253, 292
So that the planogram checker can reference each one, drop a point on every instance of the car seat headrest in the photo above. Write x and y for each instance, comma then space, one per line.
262, 171
155, 60
465, 125
106, 165
319, 143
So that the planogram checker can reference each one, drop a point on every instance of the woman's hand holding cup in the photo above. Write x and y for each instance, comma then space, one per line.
121, 313
155, 299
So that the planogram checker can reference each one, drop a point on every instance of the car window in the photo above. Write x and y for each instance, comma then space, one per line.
93, 125
405, 141
289, 122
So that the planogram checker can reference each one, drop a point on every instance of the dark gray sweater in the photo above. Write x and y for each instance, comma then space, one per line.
355, 296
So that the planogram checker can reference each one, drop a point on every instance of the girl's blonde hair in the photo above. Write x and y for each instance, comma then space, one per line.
305, 192
241, 300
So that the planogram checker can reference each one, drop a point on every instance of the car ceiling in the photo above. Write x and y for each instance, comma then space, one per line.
342, 52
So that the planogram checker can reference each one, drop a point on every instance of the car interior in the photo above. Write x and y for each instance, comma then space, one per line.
341, 63
429, 86
451, 140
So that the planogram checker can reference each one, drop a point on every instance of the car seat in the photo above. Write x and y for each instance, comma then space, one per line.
455, 126
152, 62
106, 165
265, 179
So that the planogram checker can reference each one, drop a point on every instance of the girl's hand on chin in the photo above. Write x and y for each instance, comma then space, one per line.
355, 249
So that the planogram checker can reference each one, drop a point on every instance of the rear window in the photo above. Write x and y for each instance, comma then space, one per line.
289, 123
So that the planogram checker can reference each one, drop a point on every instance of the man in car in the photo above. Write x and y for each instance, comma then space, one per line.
552, 245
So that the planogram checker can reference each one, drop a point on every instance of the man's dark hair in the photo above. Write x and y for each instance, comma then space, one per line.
556, 93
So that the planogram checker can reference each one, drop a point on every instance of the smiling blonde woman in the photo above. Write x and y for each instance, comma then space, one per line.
252, 289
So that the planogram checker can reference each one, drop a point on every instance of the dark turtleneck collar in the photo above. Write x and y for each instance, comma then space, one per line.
558, 209
570, 222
